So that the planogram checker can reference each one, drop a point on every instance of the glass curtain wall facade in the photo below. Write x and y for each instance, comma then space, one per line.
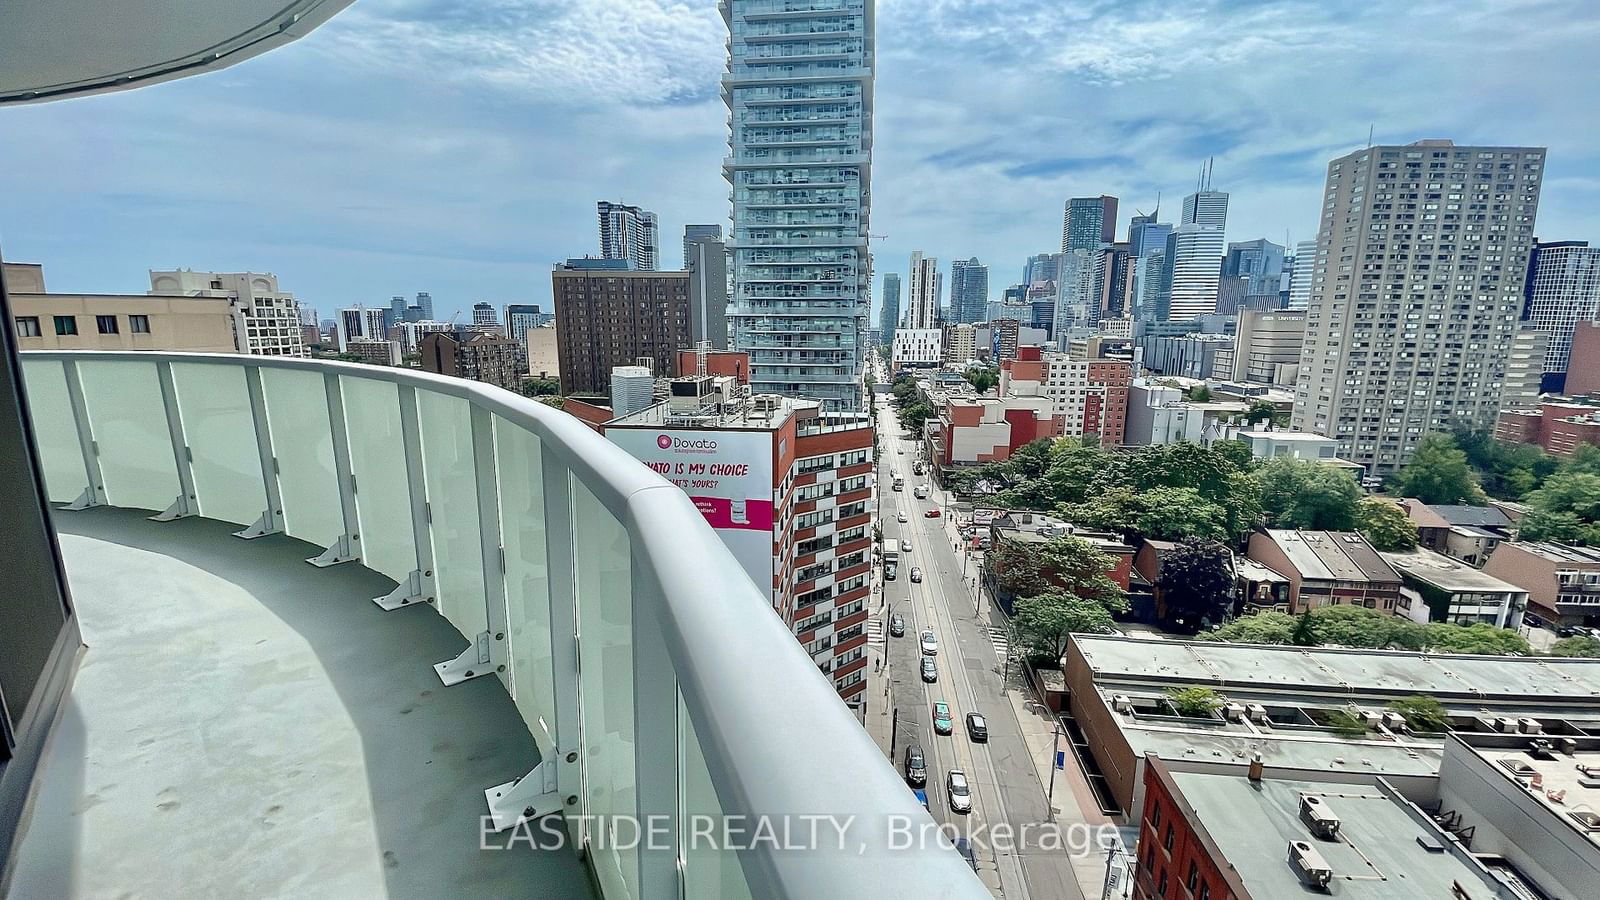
799, 95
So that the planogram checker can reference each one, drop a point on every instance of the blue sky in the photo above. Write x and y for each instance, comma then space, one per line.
458, 146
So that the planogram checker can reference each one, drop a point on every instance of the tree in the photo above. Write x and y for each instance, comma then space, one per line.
1385, 525
913, 417
1581, 645
1043, 622
550, 400
1262, 628
1199, 394
1508, 471
1359, 627
1162, 513
1260, 411
1298, 493
1305, 631
1422, 713
540, 387
1345, 722
1195, 702
1566, 509
1439, 473
1196, 584
1027, 569
1480, 638
982, 379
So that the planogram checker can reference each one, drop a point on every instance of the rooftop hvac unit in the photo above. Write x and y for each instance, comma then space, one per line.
1258, 713
1370, 716
1393, 721
1122, 703
1505, 725
1567, 745
1323, 821
1235, 712
1530, 726
1309, 865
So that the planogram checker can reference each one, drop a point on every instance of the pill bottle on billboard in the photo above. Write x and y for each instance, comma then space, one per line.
741, 515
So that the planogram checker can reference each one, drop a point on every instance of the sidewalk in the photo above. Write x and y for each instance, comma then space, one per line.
877, 719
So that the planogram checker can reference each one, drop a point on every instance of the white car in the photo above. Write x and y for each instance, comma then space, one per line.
905, 546
902, 519
960, 792
930, 644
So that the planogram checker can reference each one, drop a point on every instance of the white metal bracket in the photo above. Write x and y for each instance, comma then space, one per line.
178, 510
261, 528
532, 796
416, 590
474, 662
84, 501
338, 552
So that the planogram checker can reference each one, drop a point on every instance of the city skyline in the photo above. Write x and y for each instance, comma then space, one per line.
530, 135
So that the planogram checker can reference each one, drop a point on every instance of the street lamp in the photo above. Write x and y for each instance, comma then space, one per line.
1055, 754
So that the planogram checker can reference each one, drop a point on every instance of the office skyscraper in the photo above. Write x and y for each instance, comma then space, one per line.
889, 309
1563, 290
628, 232
1414, 305
706, 260
522, 316
969, 290
692, 233
425, 303
1194, 249
927, 285
1146, 235
1305, 261
1259, 261
1088, 222
1040, 269
484, 314
1206, 207
799, 95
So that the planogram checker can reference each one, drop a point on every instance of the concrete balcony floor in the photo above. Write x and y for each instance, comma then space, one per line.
244, 724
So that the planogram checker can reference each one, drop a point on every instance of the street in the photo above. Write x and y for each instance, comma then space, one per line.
1005, 781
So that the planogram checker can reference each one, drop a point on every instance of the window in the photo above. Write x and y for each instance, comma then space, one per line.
1194, 876
66, 325
1162, 888
27, 326
139, 324
106, 324
1166, 842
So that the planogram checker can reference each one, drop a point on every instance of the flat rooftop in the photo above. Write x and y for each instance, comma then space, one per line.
243, 724
1384, 849
1564, 775
1560, 552
1445, 573
1546, 680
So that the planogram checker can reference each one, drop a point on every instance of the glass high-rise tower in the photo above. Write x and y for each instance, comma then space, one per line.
799, 94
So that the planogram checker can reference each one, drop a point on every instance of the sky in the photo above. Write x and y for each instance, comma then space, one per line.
459, 146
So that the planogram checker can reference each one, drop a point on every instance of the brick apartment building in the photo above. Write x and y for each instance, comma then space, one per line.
607, 317
476, 355
1558, 426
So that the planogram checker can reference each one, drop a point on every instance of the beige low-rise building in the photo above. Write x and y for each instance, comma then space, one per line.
544, 357
45, 321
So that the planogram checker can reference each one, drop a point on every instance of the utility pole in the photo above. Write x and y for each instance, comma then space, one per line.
1055, 752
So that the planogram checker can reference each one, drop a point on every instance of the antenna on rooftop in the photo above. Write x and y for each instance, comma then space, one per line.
1369, 135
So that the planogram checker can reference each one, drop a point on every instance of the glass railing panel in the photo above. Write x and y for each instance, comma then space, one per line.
710, 872
448, 471
603, 572
214, 404
297, 417
378, 461
60, 454
518, 462
130, 428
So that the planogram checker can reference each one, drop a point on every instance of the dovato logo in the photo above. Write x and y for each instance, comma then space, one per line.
663, 441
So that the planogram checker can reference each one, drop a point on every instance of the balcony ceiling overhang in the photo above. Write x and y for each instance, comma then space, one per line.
53, 49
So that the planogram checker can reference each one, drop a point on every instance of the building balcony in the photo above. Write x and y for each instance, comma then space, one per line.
502, 631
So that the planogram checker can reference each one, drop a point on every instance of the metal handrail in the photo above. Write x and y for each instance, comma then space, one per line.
761, 710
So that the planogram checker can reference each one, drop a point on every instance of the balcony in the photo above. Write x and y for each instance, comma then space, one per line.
504, 620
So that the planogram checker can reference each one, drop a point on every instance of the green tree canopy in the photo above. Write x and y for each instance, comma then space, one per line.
1297, 493
1385, 525
1043, 622
1439, 473
1422, 713
1507, 471
1260, 411
1196, 584
1028, 569
913, 417
540, 387
1580, 645
982, 380
1566, 509
1163, 513
1262, 628
1480, 638
1196, 702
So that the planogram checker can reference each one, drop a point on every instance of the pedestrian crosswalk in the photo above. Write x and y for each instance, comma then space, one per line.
875, 632
1001, 641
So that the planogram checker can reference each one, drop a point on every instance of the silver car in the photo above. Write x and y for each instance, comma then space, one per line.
960, 792
930, 644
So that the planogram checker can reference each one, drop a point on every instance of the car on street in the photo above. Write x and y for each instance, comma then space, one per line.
1532, 621
977, 729
901, 451
916, 575
930, 644
942, 724
960, 791
905, 546
889, 572
897, 626
932, 513
1570, 631
922, 797
930, 670
902, 518
916, 766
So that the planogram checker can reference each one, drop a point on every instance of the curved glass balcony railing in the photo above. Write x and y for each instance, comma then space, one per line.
661, 690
